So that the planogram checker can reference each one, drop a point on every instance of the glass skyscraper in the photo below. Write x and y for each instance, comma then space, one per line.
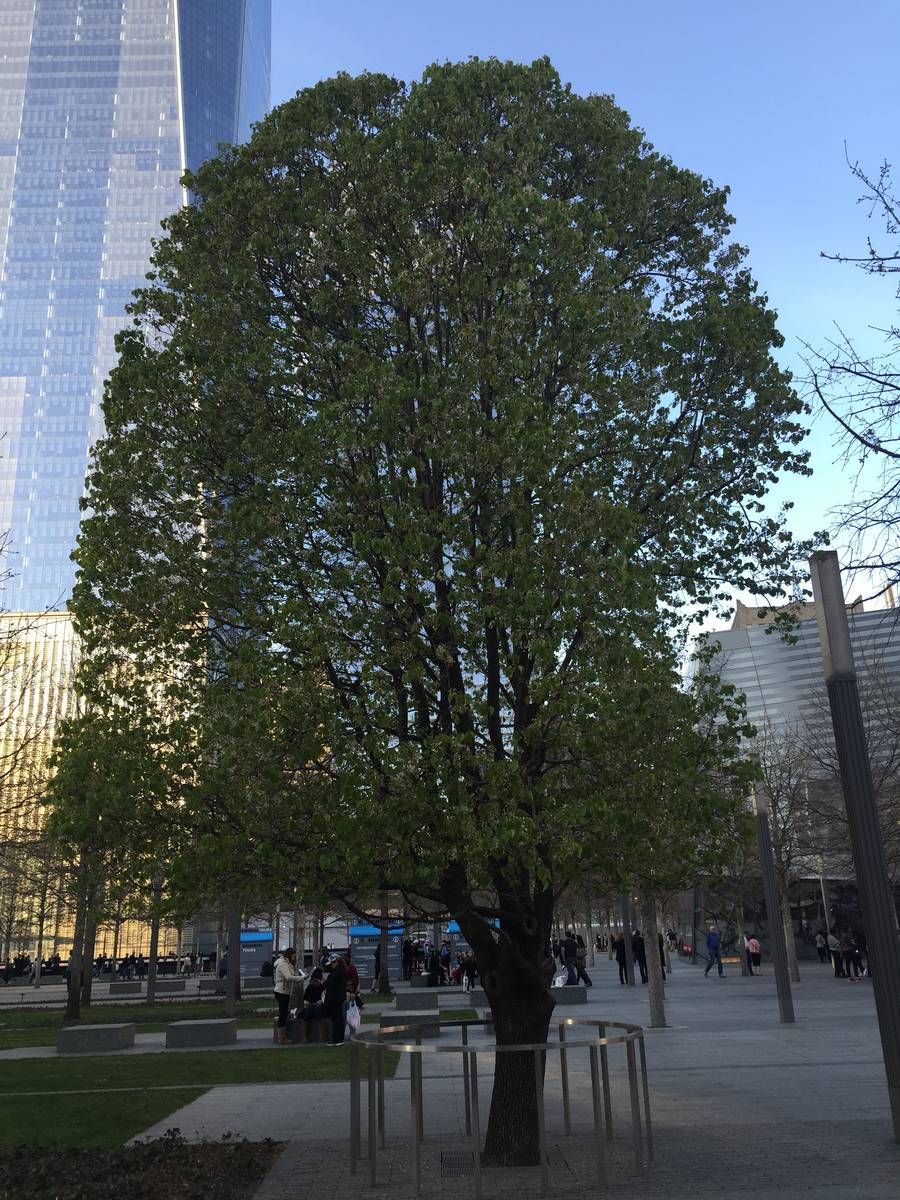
103, 103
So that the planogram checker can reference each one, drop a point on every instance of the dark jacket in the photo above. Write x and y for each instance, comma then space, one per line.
336, 985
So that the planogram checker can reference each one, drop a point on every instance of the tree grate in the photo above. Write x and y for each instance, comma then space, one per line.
456, 1163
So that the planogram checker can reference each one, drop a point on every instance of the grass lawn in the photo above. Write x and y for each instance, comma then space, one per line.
92, 1114
39, 1027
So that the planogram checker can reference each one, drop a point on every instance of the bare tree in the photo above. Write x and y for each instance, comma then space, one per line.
862, 394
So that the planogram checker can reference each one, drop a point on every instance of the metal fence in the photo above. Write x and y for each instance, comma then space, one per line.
597, 1044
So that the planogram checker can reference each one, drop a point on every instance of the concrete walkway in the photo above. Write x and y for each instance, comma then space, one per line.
740, 1103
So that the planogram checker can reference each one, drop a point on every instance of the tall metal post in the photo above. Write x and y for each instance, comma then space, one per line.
872, 880
773, 906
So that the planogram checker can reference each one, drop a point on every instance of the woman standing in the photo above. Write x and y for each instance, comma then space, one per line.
286, 975
336, 999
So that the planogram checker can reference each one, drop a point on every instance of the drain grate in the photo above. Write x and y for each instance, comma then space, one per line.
456, 1163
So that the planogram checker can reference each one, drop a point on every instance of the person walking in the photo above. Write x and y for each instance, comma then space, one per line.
754, 949
336, 999
639, 953
621, 958
849, 955
713, 951
406, 958
581, 962
834, 949
286, 975
821, 947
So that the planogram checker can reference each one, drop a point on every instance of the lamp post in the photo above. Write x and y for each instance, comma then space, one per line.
875, 895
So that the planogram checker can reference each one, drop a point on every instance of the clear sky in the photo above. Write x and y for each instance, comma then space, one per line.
761, 95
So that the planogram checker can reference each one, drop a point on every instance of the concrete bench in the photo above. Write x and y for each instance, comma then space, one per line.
569, 995
476, 998
257, 983
88, 1039
418, 1000
218, 1032
170, 985
212, 985
52, 980
424, 1024
128, 988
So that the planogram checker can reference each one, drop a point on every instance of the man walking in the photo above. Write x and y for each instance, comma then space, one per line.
713, 951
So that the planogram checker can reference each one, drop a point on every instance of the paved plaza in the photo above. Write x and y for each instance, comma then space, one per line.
741, 1104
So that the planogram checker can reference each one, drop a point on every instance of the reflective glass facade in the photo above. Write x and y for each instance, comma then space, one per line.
102, 103
784, 683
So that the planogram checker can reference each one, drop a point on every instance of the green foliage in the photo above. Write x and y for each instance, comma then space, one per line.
444, 413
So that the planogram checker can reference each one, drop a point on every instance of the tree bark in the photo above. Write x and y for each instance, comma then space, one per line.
153, 954
627, 930
789, 940
233, 976
654, 963
87, 959
73, 999
42, 922
516, 971
383, 983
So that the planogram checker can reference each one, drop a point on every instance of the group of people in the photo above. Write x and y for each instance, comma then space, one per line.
322, 996
845, 951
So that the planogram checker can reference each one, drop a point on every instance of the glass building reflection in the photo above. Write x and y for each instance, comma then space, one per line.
102, 105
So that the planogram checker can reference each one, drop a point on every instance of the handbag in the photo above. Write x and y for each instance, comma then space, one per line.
353, 1017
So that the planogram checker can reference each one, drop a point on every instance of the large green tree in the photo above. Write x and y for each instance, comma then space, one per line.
444, 410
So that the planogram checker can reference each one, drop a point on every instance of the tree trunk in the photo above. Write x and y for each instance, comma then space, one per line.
42, 921
73, 1000
233, 975
625, 904
87, 959
117, 929
153, 953
789, 940
589, 929
516, 972
383, 983
654, 963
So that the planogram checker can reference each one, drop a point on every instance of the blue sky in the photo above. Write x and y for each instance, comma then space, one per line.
757, 94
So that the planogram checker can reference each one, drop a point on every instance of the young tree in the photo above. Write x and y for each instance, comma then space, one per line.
446, 408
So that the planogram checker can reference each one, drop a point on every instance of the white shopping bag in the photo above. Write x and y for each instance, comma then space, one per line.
353, 1018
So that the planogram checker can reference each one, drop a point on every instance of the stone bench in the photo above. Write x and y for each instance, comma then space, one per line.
170, 985
128, 988
424, 1024
477, 998
212, 985
217, 1032
257, 983
569, 995
418, 1000
88, 1039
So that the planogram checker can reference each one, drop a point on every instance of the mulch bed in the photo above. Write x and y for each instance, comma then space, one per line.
169, 1167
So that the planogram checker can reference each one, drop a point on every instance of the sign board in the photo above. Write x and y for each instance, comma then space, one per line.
256, 948
364, 941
